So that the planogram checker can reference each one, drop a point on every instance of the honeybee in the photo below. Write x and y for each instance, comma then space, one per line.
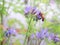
38, 14
42, 16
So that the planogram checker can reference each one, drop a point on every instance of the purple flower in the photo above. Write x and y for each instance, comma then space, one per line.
10, 32
37, 12
33, 10
47, 35
32, 36
56, 39
27, 9
41, 34
51, 36
38, 35
38, 15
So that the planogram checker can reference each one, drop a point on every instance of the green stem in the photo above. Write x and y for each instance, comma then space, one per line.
2, 13
8, 41
1, 17
1, 42
27, 30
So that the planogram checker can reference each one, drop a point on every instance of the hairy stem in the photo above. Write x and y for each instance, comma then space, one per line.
27, 37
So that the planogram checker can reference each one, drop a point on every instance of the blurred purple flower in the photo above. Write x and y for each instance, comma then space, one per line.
51, 36
37, 12
38, 35
27, 9
10, 32
56, 39
38, 15
33, 10
47, 35
32, 36
41, 34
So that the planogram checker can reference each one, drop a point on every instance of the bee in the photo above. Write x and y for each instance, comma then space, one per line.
42, 16
39, 15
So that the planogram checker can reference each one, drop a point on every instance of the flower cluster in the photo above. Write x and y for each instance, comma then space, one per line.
10, 32
34, 11
45, 34
42, 34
